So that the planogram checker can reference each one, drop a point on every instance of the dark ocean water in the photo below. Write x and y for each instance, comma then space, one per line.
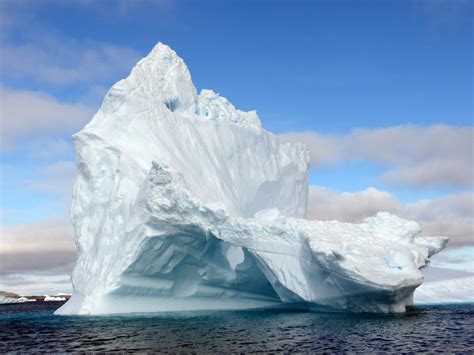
33, 327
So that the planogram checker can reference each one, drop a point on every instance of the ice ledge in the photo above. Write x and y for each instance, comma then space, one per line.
212, 106
306, 263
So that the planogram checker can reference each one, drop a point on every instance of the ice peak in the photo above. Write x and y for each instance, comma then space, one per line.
163, 55
159, 79
160, 47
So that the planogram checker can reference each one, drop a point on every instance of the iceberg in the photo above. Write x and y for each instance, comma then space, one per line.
183, 202
459, 290
8, 297
53, 298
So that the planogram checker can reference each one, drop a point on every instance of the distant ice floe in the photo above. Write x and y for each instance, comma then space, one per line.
53, 298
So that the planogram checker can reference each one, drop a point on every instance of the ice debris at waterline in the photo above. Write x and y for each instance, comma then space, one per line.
183, 202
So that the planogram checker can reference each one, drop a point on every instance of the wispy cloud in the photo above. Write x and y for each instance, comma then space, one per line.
25, 114
35, 189
55, 178
444, 12
62, 62
416, 156
35, 52
450, 216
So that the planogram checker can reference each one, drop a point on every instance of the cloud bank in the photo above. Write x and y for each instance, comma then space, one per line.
44, 247
416, 156
450, 216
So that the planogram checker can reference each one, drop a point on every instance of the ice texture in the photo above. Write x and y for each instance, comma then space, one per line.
183, 202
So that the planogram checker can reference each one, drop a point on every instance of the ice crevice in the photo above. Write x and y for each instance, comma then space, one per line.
183, 202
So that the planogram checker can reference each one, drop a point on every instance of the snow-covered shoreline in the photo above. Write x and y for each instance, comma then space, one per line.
10, 298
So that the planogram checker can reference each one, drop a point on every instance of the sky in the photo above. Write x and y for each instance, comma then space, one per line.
380, 91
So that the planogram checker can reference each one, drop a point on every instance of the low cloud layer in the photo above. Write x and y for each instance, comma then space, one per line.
36, 284
450, 216
53, 235
41, 247
416, 156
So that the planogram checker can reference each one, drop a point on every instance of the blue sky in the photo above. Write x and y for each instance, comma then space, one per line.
322, 65
381, 91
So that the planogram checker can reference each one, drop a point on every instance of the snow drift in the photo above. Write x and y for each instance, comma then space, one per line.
183, 202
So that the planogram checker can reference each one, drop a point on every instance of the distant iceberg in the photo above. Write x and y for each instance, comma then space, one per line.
9, 297
460, 290
183, 202
54, 298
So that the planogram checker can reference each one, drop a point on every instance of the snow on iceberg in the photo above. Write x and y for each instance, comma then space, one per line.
183, 202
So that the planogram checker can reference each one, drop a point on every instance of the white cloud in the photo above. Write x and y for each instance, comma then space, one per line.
348, 207
326, 149
81, 65
451, 216
438, 171
52, 59
33, 54
26, 114
413, 155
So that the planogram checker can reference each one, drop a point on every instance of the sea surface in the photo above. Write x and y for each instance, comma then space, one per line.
32, 327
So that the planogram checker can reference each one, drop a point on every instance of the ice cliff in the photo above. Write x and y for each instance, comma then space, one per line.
183, 202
